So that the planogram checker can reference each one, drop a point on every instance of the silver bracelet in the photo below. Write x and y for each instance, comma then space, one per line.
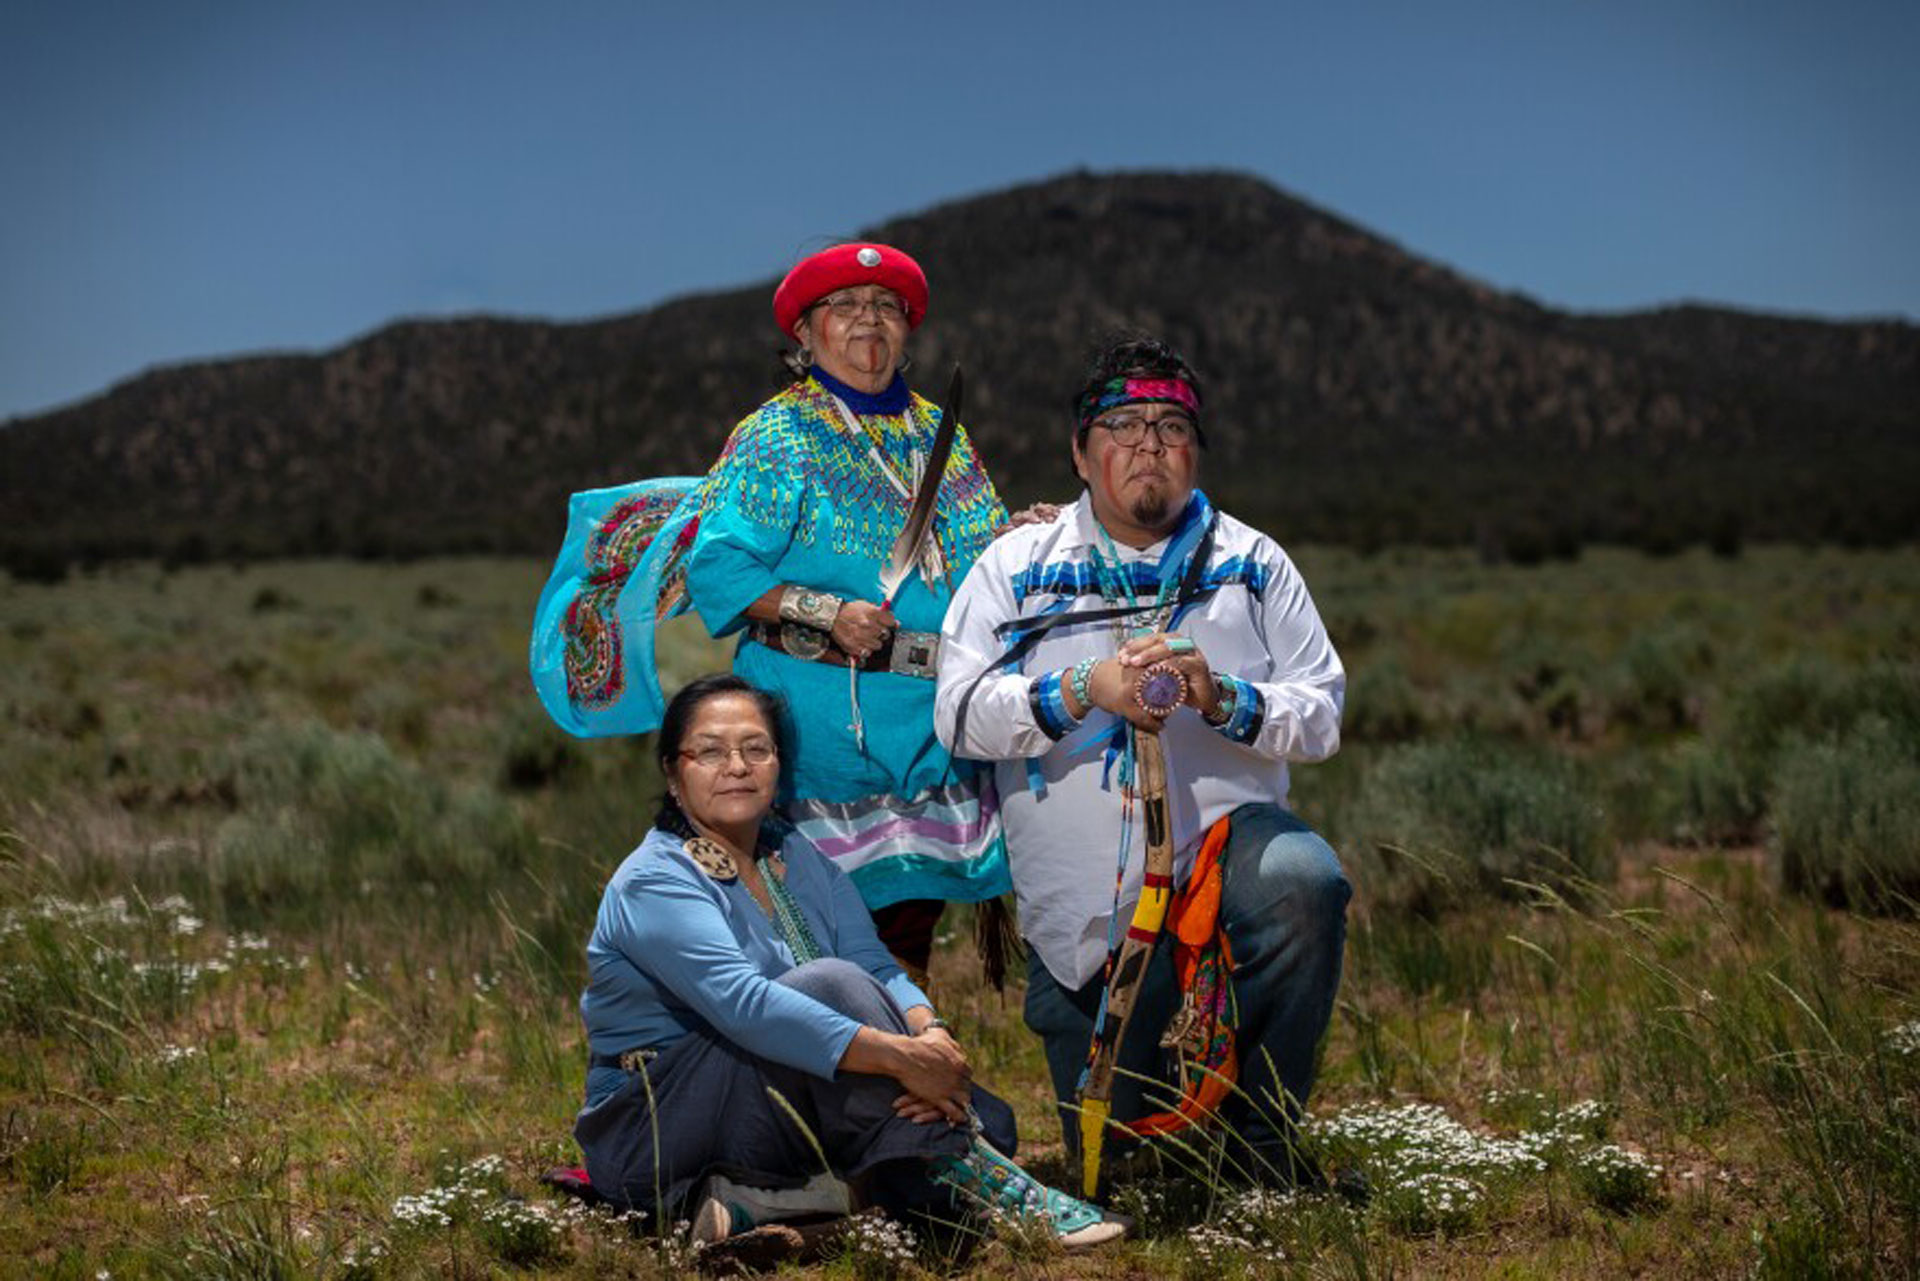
810, 608
935, 1022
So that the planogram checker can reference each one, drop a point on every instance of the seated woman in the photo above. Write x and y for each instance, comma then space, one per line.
737, 993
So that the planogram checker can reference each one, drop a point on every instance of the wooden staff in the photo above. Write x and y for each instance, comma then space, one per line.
1123, 985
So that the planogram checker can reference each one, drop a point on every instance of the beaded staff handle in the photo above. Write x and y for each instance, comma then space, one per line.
1123, 986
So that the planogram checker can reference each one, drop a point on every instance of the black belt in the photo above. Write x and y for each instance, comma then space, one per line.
625, 1061
903, 654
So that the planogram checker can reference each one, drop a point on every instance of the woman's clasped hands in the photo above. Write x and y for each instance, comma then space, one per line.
936, 1076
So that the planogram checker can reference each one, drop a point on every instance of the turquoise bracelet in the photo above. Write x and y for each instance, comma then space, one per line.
1228, 701
1077, 682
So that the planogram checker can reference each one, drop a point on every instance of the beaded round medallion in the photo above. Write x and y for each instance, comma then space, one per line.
712, 858
1162, 688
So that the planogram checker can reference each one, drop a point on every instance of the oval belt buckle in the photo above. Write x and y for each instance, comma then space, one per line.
802, 641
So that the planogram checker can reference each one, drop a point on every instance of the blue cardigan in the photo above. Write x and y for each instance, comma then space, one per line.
674, 951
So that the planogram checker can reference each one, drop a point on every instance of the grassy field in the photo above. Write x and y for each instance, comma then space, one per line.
295, 879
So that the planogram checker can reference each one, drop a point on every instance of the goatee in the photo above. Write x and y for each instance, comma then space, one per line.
1150, 509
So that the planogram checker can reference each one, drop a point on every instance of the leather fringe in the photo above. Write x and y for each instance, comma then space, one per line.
996, 936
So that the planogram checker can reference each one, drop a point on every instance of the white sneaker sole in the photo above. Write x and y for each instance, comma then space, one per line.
712, 1222
1094, 1234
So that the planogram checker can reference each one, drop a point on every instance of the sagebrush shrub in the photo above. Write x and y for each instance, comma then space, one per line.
1658, 679
329, 815
1846, 817
1816, 699
1701, 797
1465, 816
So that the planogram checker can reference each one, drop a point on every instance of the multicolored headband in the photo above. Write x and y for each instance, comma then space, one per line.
1138, 391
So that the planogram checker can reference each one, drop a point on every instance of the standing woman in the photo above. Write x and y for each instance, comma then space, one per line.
782, 543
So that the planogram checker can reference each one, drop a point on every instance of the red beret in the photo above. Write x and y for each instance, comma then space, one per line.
814, 277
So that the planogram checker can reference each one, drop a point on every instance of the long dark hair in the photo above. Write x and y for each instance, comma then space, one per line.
679, 716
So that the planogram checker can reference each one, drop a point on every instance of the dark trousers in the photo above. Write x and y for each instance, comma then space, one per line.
706, 1106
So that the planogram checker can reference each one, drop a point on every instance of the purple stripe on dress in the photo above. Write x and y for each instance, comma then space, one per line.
841, 829
959, 836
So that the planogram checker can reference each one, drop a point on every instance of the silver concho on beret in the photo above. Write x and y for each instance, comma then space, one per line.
869, 257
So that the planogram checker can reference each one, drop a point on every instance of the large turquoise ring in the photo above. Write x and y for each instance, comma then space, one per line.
1181, 644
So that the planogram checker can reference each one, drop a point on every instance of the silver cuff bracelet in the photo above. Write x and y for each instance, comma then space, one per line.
810, 608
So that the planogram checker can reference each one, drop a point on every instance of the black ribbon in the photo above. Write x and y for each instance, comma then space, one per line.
1035, 626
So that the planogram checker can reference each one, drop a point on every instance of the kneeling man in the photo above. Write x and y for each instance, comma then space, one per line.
1141, 616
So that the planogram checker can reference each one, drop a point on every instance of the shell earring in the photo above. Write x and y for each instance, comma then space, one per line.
806, 358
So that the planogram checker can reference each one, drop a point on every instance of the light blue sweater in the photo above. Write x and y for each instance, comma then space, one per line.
674, 951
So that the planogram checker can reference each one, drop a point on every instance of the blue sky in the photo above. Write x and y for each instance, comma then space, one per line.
189, 179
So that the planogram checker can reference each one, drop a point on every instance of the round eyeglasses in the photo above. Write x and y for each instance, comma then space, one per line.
716, 756
1128, 430
852, 306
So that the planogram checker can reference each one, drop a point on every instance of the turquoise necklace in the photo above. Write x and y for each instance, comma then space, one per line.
1116, 589
717, 861
787, 918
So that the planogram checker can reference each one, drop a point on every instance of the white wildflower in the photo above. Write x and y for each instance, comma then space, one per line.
1215, 1246
1905, 1039
1618, 1178
877, 1246
1421, 1137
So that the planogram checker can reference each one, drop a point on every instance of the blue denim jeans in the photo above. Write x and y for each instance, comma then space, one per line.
1284, 907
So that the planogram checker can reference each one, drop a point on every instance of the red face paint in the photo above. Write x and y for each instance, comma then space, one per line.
1138, 491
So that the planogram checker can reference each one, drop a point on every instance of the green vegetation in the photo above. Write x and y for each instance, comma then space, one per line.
295, 875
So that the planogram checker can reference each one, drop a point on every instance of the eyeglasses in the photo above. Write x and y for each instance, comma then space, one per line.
1172, 431
852, 306
716, 755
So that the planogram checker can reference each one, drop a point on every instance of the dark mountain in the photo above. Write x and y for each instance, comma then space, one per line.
1357, 393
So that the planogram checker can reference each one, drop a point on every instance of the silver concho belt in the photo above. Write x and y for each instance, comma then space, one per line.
904, 654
